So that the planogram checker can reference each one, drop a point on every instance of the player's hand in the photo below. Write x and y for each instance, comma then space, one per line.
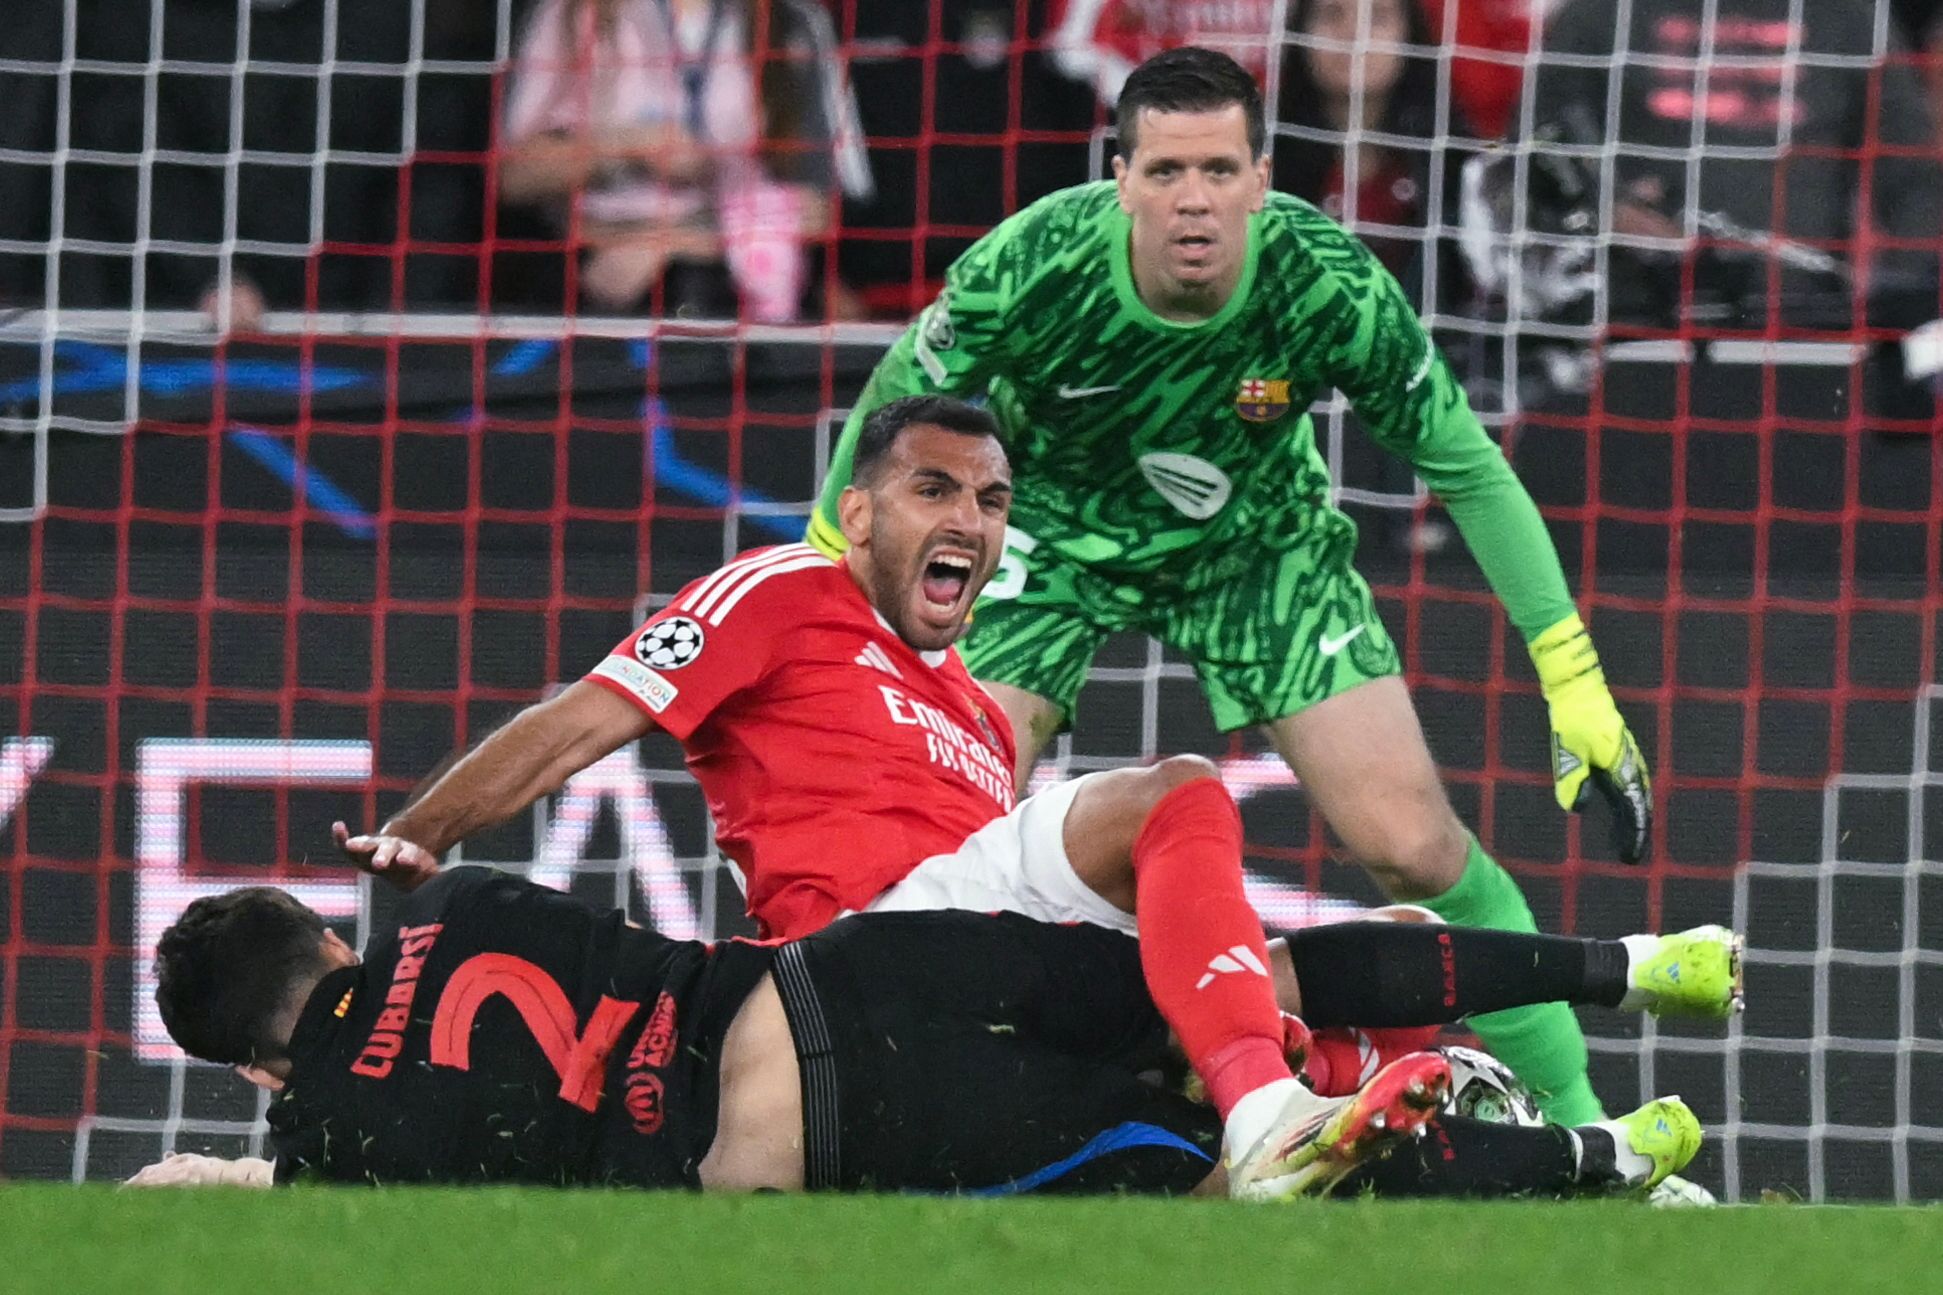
185, 1169
1591, 746
400, 862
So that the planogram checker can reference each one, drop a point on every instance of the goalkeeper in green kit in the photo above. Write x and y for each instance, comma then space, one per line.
1151, 346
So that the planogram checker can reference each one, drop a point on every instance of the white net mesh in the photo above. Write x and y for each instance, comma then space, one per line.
1758, 552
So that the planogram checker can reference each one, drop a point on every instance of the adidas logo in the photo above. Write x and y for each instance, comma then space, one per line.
1367, 1057
1236, 961
877, 659
1563, 760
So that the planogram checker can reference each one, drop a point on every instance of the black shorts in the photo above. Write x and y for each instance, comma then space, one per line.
986, 1055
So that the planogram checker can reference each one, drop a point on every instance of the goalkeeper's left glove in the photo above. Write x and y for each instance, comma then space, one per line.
1591, 746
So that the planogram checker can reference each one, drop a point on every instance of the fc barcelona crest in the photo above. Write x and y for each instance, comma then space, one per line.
1262, 400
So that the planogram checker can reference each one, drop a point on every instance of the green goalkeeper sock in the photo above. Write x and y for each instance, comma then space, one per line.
1542, 1043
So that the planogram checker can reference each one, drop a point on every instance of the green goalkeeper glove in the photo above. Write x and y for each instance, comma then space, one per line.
1591, 746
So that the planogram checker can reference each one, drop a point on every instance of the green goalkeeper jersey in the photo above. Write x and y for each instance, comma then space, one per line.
1139, 444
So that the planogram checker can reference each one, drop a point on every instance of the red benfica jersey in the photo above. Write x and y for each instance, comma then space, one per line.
834, 756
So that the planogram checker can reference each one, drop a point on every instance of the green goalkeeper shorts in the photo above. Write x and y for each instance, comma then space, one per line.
1269, 632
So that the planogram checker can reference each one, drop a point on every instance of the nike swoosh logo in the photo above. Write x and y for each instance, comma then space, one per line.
1329, 646
1075, 393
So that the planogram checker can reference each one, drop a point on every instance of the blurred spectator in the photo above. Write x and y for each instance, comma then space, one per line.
1486, 89
1358, 100
195, 203
1103, 40
1781, 149
956, 68
693, 141
1343, 81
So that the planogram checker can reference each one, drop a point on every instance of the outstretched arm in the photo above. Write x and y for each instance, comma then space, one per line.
536, 752
1387, 365
1384, 360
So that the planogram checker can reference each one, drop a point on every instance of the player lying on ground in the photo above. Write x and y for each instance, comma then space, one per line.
1400, 976
507, 1032
1151, 347
850, 763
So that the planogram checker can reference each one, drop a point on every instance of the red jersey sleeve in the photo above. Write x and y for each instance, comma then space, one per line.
715, 639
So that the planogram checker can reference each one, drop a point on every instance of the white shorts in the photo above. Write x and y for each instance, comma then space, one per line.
1014, 864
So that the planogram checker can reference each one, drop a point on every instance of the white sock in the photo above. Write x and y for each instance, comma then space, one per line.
1638, 949
1251, 1117
1632, 1165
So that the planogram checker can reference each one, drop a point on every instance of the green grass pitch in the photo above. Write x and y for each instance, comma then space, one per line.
56, 1238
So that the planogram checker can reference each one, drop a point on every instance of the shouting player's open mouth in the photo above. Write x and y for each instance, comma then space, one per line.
945, 582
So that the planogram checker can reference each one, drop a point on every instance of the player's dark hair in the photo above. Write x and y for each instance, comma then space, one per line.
1188, 79
228, 967
884, 425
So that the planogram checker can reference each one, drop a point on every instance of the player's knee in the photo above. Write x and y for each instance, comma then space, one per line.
1173, 772
1418, 861
1112, 809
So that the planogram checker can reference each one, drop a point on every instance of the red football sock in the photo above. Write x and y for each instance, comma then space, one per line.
1342, 1059
1201, 943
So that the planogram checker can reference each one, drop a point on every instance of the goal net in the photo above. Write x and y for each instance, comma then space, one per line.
259, 578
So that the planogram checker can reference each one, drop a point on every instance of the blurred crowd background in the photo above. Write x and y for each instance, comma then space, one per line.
1764, 165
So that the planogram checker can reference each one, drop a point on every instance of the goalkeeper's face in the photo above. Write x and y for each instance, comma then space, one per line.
1190, 186
928, 530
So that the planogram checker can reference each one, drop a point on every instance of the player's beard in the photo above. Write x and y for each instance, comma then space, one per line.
898, 595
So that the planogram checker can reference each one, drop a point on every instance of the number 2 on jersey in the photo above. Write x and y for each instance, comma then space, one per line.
579, 1059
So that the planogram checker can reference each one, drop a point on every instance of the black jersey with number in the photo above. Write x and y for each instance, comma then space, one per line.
506, 1032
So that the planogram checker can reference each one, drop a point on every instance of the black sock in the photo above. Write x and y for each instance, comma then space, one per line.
1465, 1157
1598, 1157
1380, 974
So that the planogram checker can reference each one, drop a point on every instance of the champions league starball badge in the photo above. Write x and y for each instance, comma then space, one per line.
670, 645
939, 333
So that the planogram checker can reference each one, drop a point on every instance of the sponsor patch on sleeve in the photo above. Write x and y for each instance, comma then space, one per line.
655, 692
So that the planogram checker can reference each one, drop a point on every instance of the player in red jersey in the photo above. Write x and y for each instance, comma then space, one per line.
851, 763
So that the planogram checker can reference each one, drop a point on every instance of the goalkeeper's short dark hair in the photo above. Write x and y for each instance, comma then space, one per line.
1188, 79
226, 970
886, 423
